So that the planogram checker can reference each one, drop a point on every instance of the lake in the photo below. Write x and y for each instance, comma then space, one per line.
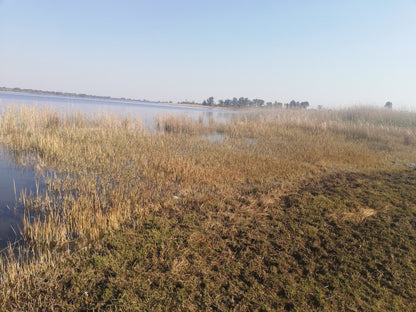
145, 110
14, 179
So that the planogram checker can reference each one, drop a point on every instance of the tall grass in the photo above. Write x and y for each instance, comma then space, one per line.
110, 175
108, 170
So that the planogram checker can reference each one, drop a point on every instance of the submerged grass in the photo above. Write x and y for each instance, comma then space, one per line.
300, 210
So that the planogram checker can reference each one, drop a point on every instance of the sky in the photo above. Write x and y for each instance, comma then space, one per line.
328, 52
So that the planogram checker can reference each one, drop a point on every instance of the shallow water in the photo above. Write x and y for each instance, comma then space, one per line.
13, 180
145, 110
214, 137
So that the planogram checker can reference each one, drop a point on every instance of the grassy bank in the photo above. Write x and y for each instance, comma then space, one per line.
283, 210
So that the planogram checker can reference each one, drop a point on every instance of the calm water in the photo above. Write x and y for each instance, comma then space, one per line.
146, 111
14, 180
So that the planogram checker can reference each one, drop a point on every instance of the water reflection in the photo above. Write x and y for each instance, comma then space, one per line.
13, 180
145, 110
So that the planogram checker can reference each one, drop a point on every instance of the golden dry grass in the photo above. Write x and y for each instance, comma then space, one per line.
111, 177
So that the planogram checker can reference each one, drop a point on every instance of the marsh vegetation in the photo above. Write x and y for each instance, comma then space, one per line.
290, 210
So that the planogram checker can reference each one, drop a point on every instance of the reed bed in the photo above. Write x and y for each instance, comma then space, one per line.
184, 124
107, 179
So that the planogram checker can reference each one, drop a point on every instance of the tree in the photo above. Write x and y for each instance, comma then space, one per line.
209, 101
258, 102
293, 104
235, 101
388, 105
304, 105
297, 105
242, 101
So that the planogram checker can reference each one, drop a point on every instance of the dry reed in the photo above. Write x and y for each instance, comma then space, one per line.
109, 174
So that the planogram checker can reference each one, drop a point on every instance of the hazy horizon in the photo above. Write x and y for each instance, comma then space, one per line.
331, 54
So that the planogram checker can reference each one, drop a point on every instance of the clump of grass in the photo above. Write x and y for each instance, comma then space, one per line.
262, 220
183, 124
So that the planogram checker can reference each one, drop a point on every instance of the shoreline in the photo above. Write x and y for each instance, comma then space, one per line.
197, 106
104, 98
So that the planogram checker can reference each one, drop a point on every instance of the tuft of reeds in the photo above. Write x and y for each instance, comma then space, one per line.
184, 124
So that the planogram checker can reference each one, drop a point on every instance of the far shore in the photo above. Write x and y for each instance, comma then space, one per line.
98, 97
197, 105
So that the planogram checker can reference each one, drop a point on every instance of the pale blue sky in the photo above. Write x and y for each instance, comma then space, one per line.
329, 52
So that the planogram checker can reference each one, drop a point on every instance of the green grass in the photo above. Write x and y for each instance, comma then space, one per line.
293, 211
293, 253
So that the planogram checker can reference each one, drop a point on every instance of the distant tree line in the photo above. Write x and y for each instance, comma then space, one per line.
245, 102
68, 94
